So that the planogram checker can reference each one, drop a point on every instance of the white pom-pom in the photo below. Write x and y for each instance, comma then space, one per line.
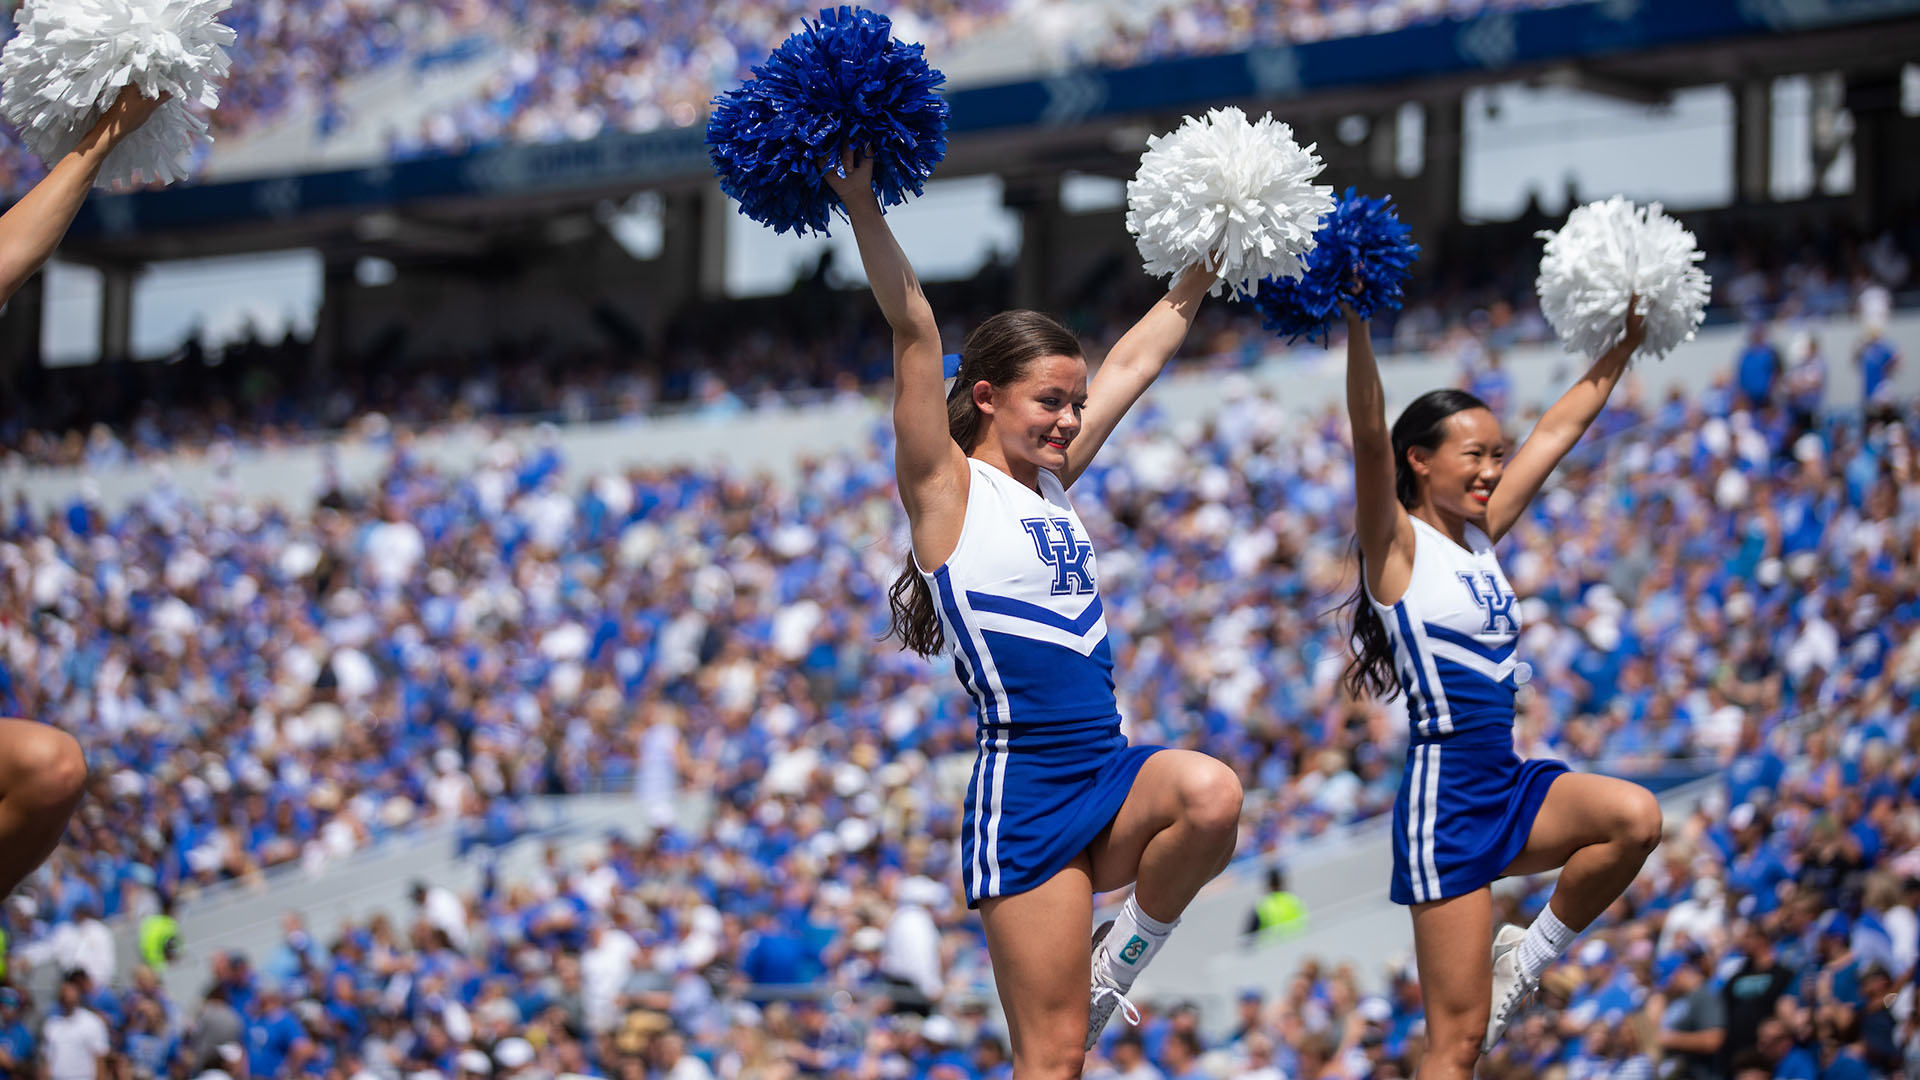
1609, 252
70, 59
1221, 188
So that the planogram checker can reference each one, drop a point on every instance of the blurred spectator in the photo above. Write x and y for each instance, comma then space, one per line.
74, 1041
910, 960
1758, 368
159, 936
1127, 1060
1693, 1024
1878, 361
18, 1048
1279, 913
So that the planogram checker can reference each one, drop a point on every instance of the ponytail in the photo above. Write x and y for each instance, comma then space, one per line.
1423, 424
1370, 673
998, 352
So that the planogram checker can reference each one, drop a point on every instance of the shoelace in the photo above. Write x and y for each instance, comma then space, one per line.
1126, 1007
1519, 999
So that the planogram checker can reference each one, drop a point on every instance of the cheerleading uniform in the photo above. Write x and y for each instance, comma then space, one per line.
1467, 801
1020, 605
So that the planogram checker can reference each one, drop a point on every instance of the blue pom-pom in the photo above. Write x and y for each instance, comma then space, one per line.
839, 84
950, 365
1361, 241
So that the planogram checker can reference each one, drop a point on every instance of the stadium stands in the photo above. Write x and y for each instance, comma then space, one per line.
573, 69
264, 687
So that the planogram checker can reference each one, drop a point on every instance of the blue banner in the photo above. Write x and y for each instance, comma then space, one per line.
1489, 44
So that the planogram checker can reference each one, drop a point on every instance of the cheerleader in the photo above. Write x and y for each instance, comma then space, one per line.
1434, 618
1003, 577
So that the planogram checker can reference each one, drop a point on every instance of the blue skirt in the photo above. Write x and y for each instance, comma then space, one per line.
1466, 807
1039, 795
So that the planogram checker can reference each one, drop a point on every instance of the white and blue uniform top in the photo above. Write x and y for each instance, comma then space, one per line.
1019, 601
1454, 635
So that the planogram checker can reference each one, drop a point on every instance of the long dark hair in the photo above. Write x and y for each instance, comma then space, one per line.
1422, 424
998, 352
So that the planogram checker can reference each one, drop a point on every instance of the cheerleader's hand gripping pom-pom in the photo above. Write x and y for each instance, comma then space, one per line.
1361, 257
839, 86
1224, 190
1605, 256
70, 59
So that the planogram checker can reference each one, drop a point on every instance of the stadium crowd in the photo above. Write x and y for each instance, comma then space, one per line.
576, 68
1219, 26
258, 686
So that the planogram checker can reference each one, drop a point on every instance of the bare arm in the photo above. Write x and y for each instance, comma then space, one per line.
1558, 431
32, 229
931, 468
1132, 364
1385, 530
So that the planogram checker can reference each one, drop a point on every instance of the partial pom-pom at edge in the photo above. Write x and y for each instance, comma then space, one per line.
1226, 190
70, 59
1608, 253
840, 84
1361, 243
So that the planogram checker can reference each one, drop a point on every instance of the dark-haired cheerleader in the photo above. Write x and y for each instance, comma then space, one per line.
1434, 618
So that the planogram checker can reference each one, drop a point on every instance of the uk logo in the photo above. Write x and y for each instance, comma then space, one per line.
1068, 554
1498, 605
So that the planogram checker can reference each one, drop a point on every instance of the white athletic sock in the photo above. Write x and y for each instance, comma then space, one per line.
1546, 941
1130, 945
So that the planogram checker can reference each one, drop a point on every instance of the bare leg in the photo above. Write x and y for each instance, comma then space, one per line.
1599, 831
1175, 833
1039, 944
1452, 943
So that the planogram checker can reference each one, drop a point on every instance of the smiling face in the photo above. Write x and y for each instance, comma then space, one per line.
1036, 417
1460, 474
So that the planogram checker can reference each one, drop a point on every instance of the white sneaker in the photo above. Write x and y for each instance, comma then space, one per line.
1513, 992
1107, 995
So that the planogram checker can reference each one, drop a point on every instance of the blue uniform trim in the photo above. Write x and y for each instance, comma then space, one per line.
1466, 641
1052, 683
1020, 609
967, 684
985, 699
1470, 692
1419, 669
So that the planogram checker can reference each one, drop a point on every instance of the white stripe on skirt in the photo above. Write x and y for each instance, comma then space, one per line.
1433, 806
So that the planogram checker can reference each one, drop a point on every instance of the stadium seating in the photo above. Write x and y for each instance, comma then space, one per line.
266, 687
571, 69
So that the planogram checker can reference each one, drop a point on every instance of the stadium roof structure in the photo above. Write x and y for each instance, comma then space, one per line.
1088, 120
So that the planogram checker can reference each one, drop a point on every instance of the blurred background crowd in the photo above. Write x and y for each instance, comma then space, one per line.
258, 686
574, 69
